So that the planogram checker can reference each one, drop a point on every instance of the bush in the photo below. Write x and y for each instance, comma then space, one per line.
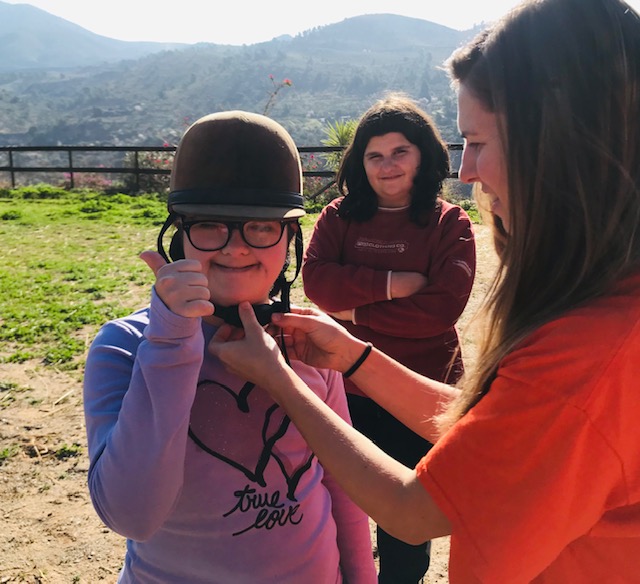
40, 191
148, 183
95, 206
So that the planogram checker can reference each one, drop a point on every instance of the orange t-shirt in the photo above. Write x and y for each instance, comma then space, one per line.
541, 479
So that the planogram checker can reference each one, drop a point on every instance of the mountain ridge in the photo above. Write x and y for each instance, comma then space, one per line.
35, 39
148, 98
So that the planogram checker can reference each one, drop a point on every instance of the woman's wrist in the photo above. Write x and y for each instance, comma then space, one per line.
363, 357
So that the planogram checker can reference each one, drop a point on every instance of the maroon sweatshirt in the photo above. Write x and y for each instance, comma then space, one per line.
348, 264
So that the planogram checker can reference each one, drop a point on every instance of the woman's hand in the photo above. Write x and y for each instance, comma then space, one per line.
309, 336
315, 338
181, 285
249, 352
346, 315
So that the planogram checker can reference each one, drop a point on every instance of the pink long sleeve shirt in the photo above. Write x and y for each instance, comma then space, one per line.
203, 473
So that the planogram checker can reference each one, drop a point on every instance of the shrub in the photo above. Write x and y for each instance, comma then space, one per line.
148, 183
338, 134
41, 191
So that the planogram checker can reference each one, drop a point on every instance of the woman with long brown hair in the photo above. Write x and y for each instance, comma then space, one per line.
536, 468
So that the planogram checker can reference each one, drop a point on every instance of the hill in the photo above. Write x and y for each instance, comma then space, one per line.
337, 71
32, 38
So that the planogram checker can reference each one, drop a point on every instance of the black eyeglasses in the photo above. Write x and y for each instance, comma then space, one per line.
214, 235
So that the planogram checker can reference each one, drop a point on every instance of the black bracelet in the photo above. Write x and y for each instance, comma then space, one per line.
349, 372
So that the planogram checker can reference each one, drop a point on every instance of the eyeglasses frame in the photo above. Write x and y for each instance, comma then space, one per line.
232, 226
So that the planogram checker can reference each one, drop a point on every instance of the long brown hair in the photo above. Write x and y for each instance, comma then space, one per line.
564, 75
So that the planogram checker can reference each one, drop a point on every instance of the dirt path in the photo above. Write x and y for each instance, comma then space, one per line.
50, 532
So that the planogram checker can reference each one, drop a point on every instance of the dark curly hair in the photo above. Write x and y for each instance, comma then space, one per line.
394, 113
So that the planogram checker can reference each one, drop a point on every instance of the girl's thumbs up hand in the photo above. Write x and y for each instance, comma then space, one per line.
181, 285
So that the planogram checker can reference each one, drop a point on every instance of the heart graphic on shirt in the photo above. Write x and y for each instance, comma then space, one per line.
243, 432
294, 475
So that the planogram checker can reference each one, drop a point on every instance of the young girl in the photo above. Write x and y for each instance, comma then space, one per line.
199, 468
405, 261
537, 476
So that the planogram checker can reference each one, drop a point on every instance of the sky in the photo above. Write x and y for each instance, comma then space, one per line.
238, 22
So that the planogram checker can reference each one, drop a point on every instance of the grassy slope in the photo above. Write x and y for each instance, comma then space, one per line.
70, 264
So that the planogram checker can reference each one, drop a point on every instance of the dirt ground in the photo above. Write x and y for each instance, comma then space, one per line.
49, 530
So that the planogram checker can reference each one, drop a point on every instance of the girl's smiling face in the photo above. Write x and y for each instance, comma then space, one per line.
239, 272
483, 154
391, 163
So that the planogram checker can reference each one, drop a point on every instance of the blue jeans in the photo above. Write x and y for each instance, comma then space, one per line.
400, 563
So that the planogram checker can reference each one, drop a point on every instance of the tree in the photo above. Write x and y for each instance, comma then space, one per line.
340, 133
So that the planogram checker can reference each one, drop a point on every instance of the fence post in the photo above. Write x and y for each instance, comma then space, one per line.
71, 178
137, 165
13, 172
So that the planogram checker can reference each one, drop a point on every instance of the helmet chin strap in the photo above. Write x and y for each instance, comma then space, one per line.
263, 312
168, 223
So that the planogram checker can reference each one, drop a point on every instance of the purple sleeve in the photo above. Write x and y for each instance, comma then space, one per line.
139, 385
354, 537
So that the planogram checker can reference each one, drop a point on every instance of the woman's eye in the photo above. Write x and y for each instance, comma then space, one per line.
472, 144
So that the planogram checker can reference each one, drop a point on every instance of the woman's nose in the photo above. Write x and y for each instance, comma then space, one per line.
386, 161
467, 172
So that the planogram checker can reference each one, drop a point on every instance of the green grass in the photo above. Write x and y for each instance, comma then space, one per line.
70, 264
66, 451
8, 452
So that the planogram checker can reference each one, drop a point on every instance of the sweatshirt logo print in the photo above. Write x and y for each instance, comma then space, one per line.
244, 433
380, 246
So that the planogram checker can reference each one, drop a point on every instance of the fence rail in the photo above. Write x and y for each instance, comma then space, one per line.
72, 167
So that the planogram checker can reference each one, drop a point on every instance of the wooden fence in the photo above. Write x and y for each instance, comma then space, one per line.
127, 160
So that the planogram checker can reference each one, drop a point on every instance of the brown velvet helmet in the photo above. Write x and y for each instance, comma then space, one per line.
233, 165
243, 166
237, 164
